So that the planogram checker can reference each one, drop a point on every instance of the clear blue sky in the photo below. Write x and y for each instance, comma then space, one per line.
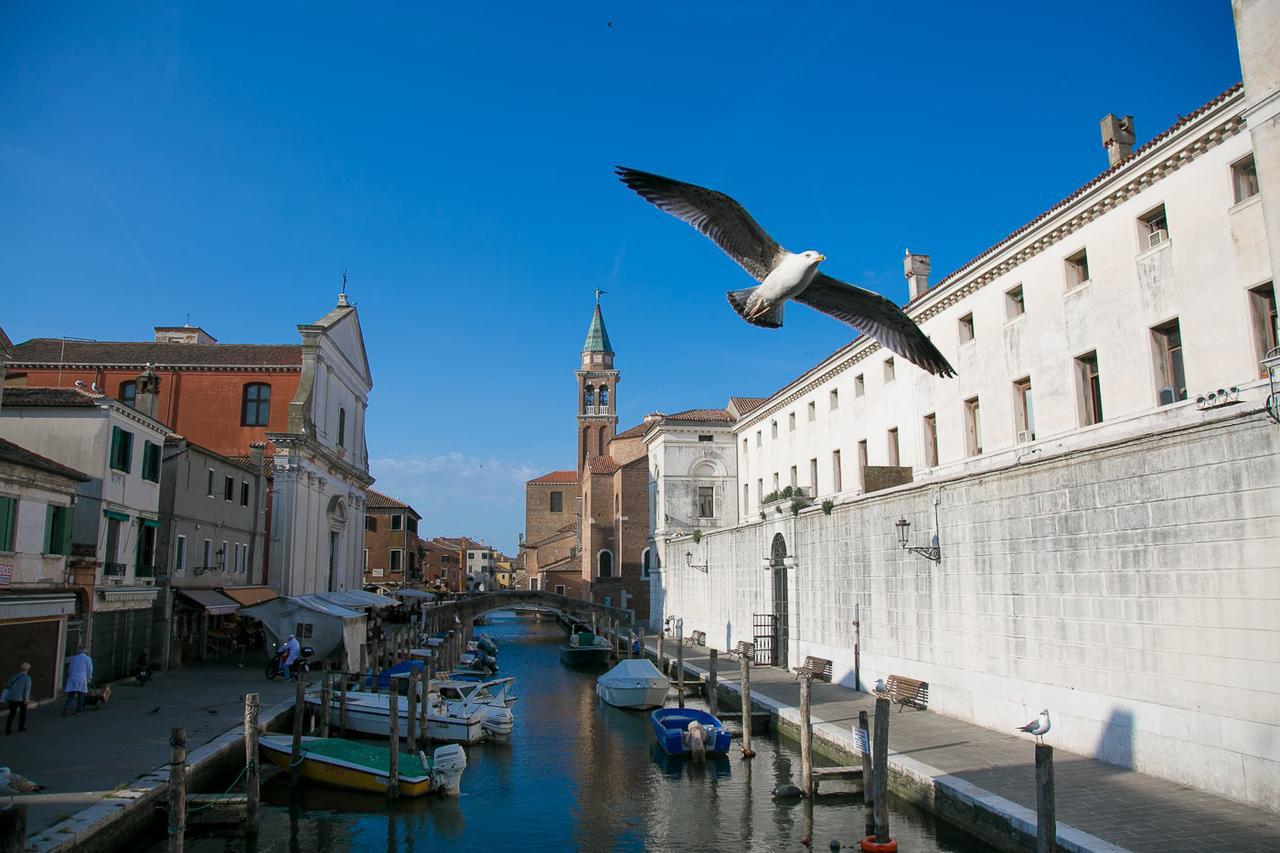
229, 161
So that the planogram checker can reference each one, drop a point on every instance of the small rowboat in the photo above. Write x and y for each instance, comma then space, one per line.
671, 726
586, 649
357, 766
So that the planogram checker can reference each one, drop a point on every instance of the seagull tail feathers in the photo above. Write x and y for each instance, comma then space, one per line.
772, 319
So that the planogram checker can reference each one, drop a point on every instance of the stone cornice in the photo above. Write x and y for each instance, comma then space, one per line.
204, 368
1218, 122
293, 443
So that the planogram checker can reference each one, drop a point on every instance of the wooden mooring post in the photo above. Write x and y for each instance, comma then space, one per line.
1046, 820
880, 770
806, 734
747, 751
631, 644
868, 790
412, 713
424, 706
393, 744
662, 664
680, 660
326, 701
177, 789
295, 754
252, 772
342, 704
13, 829
713, 699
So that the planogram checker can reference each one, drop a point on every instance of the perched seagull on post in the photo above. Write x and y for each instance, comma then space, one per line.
783, 275
1038, 727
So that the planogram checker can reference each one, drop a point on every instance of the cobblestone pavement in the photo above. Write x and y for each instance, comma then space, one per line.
1128, 809
81, 757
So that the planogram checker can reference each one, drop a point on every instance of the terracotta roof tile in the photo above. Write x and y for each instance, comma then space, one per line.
47, 351
563, 564
557, 477
636, 431
20, 395
745, 405
18, 455
701, 415
601, 464
377, 500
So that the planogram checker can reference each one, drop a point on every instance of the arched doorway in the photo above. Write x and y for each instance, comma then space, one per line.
772, 630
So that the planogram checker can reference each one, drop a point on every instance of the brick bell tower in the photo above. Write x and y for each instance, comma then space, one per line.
597, 384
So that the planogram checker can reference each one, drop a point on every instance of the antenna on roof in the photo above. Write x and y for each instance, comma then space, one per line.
342, 297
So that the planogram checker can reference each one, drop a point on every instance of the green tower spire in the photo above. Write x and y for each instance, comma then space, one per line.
597, 336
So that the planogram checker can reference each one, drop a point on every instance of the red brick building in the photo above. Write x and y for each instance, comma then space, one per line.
393, 553
442, 566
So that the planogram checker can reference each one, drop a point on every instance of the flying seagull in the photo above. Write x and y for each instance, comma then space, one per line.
1038, 727
783, 275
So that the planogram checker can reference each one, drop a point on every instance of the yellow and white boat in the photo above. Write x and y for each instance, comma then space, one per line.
359, 766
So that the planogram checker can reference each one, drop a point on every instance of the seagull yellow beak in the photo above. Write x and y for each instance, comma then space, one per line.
822, 257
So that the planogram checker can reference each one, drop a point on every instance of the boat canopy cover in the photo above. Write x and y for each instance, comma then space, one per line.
332, 627
401, 669
631, 671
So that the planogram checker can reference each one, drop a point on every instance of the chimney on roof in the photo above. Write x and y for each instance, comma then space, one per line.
1117, 137
183, 335
256, 452
916, 269
146, 392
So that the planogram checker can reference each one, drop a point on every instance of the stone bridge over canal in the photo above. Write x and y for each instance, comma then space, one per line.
478, 604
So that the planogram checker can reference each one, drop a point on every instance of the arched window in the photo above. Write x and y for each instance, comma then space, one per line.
604, 396
588, 398
604, 564
342, 427
644, 563
129, 393
257, 404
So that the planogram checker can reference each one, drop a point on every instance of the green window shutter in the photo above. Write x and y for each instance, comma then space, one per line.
128, 451
50, 545
117, 438
65, 545
7, 507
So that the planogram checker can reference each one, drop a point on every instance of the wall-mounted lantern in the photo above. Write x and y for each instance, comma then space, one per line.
933, 552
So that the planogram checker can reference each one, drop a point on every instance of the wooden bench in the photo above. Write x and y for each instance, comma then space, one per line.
744, 650
697, 638
819, 668
908, 691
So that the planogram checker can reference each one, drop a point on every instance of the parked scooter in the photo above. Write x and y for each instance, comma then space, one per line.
300, 665
142, 670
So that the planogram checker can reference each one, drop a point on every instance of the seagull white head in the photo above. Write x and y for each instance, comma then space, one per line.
815, 257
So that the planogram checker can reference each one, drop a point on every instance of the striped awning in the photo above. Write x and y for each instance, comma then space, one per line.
37, 604
214, 602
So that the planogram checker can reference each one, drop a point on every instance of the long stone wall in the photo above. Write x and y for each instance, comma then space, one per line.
1132, 589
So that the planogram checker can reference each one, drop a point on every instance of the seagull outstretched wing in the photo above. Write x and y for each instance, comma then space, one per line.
876, 316
714, 214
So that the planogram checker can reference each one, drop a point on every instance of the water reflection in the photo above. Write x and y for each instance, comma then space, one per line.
576, 774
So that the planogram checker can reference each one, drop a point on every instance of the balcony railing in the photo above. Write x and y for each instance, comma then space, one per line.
144, 571
114, 570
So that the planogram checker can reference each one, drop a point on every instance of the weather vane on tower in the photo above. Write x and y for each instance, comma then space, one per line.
600, 293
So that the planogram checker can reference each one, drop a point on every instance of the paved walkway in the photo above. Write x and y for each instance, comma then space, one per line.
80, 758
1104, 806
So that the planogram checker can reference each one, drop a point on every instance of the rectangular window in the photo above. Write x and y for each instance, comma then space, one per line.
222, 557
1171, 379
813, 412
1153, 229
228, 488
146, 557
121, 449
1077, 269
1014, 305
180, 555
773, 429
746, 499
965, 328
396, 556
863, 462
759, 438
930, 433
760, 491
207, 562
859, 385
835, 399
1244, 178
791, 422
776, 482
837, 476
1089, 389
244, 493
8, 522
397, 522
371, 523
813, 475
706, 501
890, 371
366, 559
892, 447
151, 461
209, 485
57, 539
1024, 412
1266, 325
557, 501
559, 589
706, 438
972, 427
795, 481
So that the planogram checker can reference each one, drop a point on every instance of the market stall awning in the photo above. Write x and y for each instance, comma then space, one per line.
355, 599
211, 600
249, 595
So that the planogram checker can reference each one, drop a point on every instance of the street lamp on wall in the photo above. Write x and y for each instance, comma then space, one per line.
688, 557
933, 552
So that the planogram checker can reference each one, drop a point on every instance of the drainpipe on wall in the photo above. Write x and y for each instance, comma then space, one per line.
256, 453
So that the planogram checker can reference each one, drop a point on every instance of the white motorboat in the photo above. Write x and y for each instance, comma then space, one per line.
633, 684
370, 714
463, 697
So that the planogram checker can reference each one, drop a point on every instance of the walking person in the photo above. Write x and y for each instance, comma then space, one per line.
19, 693
243, 638
79, 671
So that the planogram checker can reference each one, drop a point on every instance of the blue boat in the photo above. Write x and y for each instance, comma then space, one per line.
670, 724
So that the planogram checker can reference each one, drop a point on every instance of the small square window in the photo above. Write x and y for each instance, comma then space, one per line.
859, 385
791, 422
890, 371
759, 438
835, 398
1077, 269
892, 447
795, 477
1244, 178
931, 441
813, 412
966, 328
972, 427
773, 429
1153, 228
1014, 305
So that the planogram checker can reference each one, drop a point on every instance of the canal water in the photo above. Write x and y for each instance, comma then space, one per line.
580, 775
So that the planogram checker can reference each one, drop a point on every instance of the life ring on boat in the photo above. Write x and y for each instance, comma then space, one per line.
869, 845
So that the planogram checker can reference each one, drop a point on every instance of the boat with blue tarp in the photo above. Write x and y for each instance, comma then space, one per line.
689, 731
